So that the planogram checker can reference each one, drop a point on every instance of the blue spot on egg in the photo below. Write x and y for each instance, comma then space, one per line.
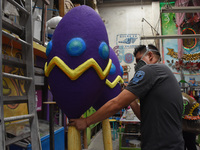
76, 46
104, 50
112, 69
49, 48
121, 69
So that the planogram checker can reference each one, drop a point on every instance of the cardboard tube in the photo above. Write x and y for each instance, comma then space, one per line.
74, 138
107, 136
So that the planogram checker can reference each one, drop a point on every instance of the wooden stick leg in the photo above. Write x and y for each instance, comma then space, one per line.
107, 137
74, 139
85, 139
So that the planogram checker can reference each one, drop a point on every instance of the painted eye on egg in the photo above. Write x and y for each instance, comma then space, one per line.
49, 48
104, 50
112, 69
76, 46
121, 69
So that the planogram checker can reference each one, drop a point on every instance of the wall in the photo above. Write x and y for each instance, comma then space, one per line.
126, 19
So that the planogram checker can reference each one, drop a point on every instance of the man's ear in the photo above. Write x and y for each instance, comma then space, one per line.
150, 56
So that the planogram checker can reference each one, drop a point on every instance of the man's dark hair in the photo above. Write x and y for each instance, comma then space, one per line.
142, 49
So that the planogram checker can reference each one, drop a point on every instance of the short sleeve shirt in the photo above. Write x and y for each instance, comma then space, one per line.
161, 107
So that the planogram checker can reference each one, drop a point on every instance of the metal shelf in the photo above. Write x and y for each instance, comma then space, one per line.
12, 26
13, 61
9, 75
15, 38
22, 117
15, 99
17, 138
19, 7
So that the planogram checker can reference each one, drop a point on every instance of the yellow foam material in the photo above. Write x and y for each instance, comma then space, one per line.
114, 83
39, 47
191, 100
74, 74
193, 108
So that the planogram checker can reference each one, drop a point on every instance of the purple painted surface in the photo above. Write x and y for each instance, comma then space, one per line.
109, 93
75, 97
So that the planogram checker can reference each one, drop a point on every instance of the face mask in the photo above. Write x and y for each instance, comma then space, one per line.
139, 64
142, 62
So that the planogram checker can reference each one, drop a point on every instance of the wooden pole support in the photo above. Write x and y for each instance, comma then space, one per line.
51, 124
85, 139
74, 138
61, 8
107, 136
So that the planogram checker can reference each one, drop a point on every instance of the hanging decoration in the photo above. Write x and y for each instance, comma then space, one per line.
189, 44
181, 19
187, 57
180, 64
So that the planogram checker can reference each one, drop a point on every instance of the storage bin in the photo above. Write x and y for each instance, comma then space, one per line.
59, 138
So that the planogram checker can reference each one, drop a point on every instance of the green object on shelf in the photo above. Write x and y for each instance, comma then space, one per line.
182, 81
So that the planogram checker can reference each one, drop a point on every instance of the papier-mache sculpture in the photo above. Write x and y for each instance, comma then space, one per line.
191, 118
113, 82
79, 62
111, 89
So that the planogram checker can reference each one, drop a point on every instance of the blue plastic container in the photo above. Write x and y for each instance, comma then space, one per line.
59, 141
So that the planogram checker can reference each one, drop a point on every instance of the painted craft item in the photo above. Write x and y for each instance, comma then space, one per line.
78, 61
113, 82
191, 118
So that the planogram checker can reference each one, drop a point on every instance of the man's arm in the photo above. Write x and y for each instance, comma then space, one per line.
136, 109
110, 108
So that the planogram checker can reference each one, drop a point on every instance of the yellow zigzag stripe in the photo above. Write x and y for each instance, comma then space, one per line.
74, 74
193, 108
114, 83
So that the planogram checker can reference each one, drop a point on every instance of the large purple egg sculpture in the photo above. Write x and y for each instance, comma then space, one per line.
113, 82
78, 60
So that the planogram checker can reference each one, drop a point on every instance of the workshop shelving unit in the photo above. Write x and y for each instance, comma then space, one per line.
22, 35
129, 131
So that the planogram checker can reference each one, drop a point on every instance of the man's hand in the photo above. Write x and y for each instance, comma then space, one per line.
80, 124
123, 86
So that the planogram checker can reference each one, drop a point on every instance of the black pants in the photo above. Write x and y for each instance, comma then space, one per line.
190, 140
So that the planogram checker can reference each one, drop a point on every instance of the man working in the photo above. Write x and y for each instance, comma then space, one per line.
160, 103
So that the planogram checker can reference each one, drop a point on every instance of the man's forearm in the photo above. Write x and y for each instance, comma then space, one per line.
136, 109
111, 107
107, 110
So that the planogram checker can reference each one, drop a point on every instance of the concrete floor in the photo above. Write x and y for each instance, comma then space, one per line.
97, 142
